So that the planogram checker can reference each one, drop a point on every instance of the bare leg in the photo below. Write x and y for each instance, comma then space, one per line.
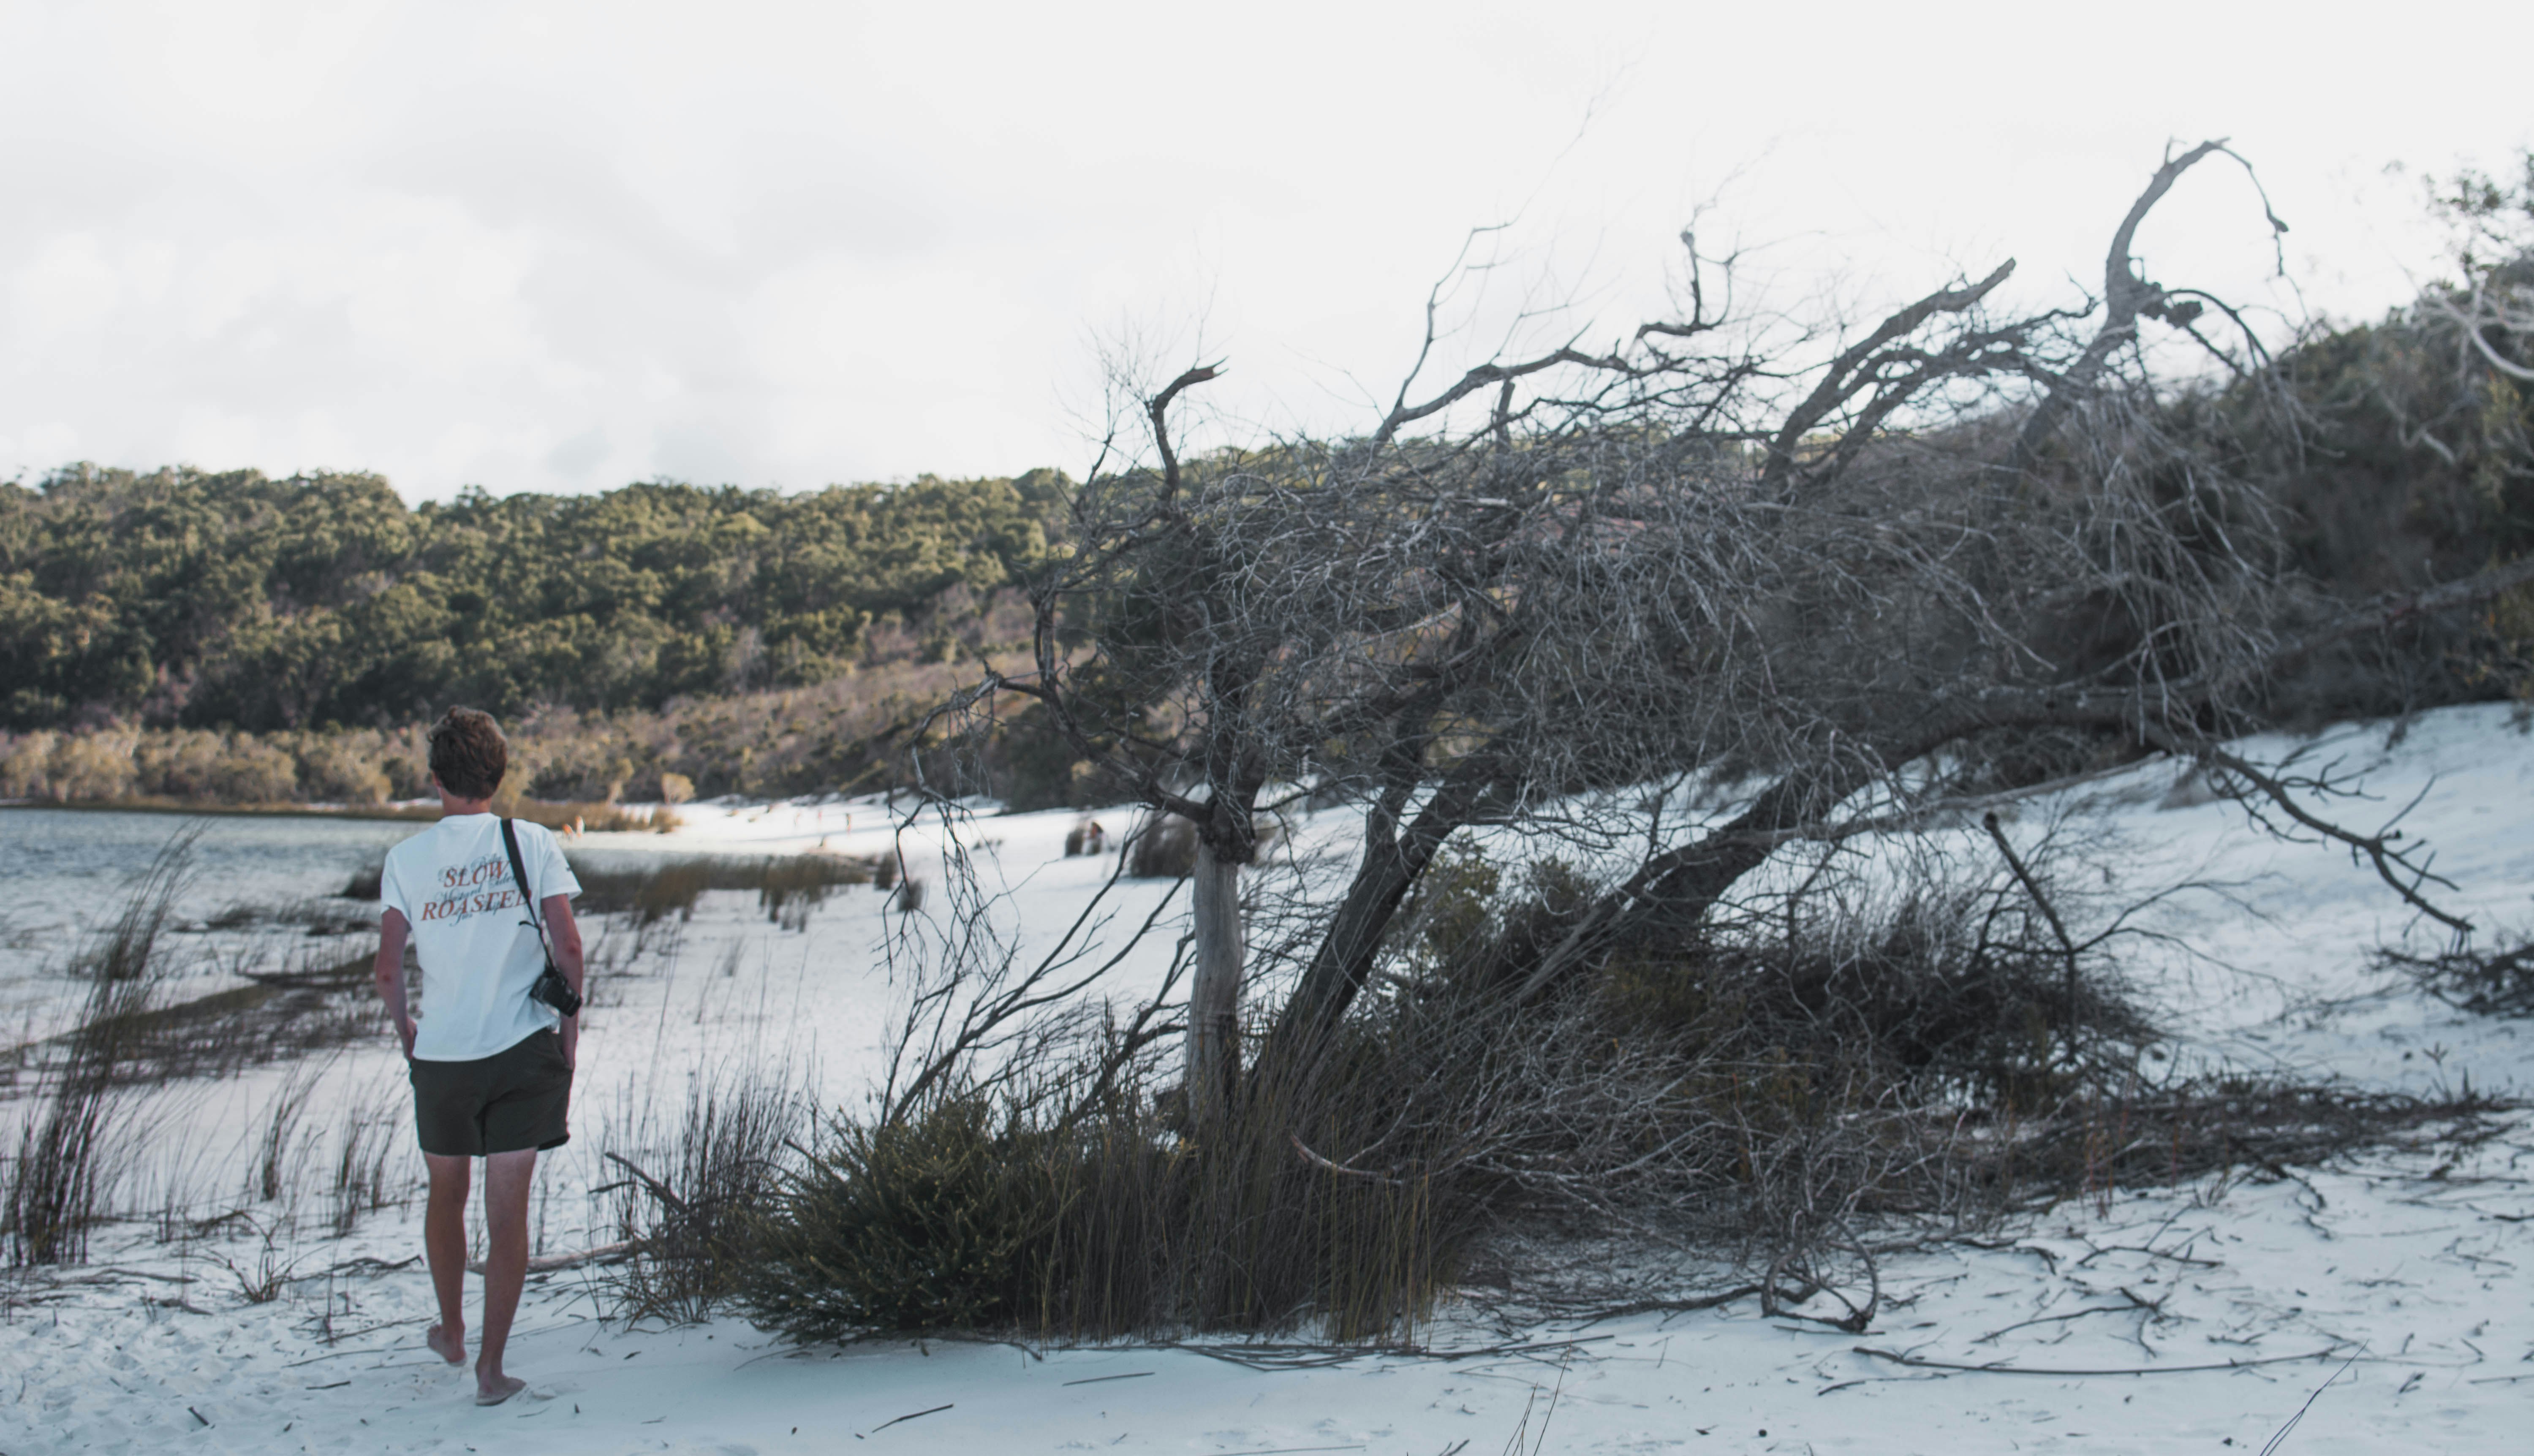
443, 1243
507, 1177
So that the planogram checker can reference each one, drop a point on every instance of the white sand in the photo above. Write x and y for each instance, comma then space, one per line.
2396, 1284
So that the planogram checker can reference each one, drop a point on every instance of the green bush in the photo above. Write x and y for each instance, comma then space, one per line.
1068, 1210
938, 1222
338, 771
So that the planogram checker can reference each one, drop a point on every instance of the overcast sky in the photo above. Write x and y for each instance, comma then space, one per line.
564, 246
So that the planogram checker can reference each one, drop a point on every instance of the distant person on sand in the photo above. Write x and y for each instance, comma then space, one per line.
491, 1066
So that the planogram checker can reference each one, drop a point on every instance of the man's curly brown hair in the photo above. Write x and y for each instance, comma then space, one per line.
468, 755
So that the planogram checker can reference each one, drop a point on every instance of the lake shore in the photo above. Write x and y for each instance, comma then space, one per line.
553, 814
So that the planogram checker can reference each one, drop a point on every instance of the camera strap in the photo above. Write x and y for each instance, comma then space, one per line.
520, 878
551, 987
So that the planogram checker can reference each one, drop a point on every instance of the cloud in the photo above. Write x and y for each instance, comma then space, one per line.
559, 246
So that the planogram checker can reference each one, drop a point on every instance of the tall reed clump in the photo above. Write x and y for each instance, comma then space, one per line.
282, 1142
689, 1202
64, 1163
366, 1137
1072, 1205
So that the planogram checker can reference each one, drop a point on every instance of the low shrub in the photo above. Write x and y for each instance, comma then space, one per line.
26, 764
2498, 982
581, 770
1935, 991
939, 1221
575, 816
1000, 1211
67, 766
95, 765
337, 770
1162, 849
1731, 1088
250, 771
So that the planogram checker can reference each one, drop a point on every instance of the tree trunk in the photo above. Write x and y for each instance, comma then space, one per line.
1391, 866
1214, 995
1669, 895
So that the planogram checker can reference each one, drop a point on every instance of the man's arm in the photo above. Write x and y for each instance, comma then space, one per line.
564, 934
389, 972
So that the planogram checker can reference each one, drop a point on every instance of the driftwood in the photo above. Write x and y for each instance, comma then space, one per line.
1915, 1363
548, 1263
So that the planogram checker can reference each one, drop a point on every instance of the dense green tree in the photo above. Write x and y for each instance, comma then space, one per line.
186, 597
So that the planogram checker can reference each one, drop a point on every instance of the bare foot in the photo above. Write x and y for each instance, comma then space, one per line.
502, 1388
449, 1346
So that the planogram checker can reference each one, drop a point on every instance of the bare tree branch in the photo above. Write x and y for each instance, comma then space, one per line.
1159, 409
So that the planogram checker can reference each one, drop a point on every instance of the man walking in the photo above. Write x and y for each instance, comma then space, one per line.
491, 1066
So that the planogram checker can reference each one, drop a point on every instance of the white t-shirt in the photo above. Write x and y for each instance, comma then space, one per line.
471, 930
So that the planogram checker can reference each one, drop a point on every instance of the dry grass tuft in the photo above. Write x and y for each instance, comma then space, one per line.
67, 1149
691, 1189
788, 886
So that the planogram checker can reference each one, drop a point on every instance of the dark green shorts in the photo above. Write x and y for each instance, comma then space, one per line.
517, 1098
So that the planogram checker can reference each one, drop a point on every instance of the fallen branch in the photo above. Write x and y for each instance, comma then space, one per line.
1316, 1161
2133, 1307
937, 1410
1775, 1303
1675, 1306
2059, 928
1265, 1357
367, 1264
657, 1188
548, 1263
2274, 1443
2377, 848
1915, 1362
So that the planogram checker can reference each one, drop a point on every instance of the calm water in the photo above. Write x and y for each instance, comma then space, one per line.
56, 862
63, 873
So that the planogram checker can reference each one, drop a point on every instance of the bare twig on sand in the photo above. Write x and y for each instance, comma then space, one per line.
1916, 1363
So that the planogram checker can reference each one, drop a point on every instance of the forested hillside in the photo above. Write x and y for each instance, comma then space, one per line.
186, 598
198, 636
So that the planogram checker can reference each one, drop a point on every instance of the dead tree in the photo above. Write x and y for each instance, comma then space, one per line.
1687, 552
